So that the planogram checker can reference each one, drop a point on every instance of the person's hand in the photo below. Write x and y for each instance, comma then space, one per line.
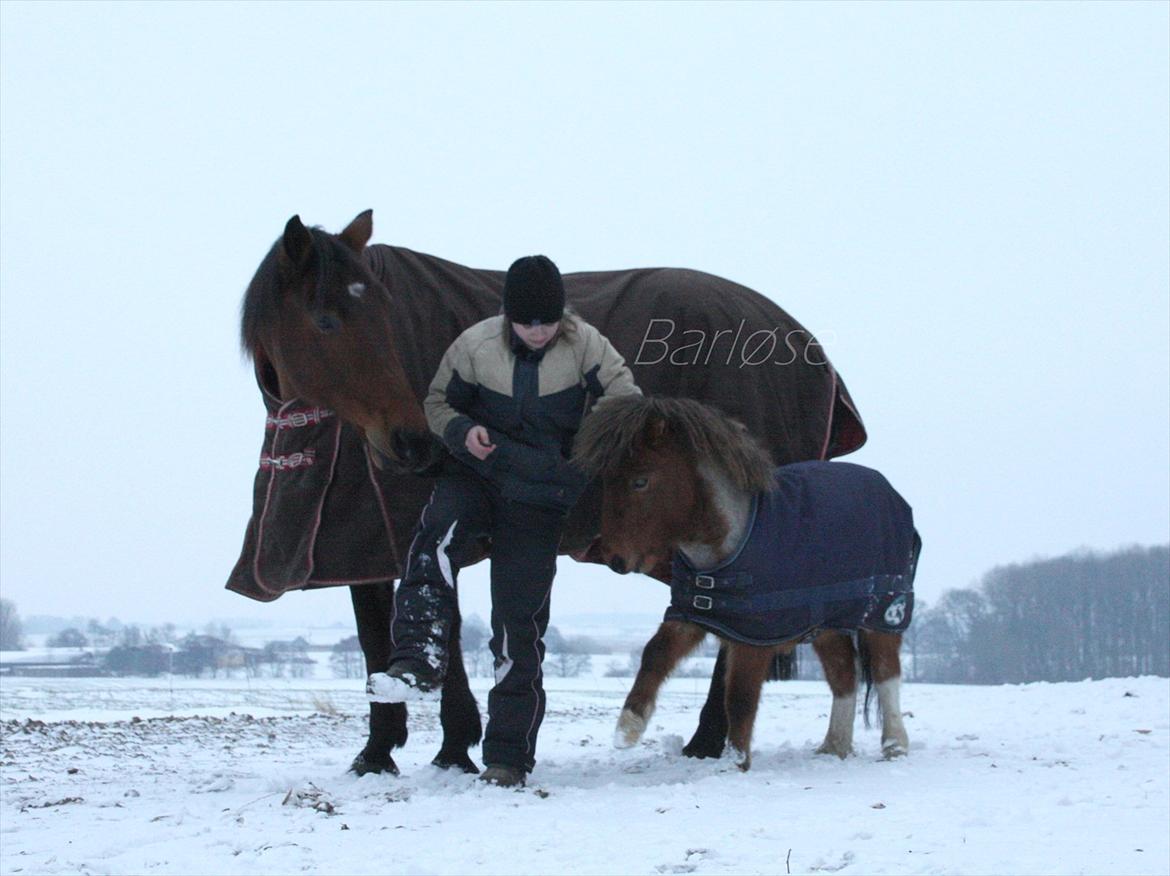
479, 442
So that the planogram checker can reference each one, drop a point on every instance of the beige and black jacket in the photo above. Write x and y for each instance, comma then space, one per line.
530, 401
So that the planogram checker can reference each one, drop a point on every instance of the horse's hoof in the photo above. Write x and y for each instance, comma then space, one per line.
743, 759
835, 749
364, 764
893, 749
629, 730
703, 748
458, 760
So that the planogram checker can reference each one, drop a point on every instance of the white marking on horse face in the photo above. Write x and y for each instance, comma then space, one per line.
356, 289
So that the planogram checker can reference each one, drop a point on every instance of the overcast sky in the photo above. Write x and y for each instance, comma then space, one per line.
969, 203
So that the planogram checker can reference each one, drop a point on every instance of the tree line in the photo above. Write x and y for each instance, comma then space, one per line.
1078, 616
1083, 615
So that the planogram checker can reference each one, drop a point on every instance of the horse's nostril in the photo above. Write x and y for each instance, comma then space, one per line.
617, 564
401, 445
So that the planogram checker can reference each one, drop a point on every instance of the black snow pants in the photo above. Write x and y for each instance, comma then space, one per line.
463, 509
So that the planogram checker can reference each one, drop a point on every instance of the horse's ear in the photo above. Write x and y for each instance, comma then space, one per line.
297, 241
358, 232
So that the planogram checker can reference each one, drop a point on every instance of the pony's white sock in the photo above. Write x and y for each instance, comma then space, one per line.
839, 738
895, 741
629, 730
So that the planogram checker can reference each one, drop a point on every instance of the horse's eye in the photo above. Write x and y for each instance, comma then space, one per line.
641, 483
356, 289
327, 322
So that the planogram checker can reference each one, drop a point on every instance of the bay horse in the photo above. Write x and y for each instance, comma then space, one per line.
345, 337
763, 557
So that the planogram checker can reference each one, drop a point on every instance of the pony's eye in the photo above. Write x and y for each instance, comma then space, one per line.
641, 483
356, 289
327, 322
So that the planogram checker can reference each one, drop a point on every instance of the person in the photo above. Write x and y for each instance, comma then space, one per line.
506, 401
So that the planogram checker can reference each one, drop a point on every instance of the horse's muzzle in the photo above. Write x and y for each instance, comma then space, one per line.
416, 452
406, 452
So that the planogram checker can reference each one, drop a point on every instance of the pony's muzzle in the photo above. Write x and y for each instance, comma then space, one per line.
617, 564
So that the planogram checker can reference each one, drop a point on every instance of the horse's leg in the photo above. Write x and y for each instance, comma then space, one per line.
372, 607
747, 668
711, 733
458, 711
836, 653
884, 667
673, 641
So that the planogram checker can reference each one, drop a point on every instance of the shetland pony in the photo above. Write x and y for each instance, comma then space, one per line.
763, 557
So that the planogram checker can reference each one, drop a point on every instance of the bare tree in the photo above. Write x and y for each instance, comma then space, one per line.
566, 664
11, 629
347, 659
68, 638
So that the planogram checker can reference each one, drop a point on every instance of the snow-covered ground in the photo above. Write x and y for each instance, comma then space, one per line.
141, 776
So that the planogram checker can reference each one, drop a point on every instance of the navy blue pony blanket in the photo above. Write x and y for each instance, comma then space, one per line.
831, 546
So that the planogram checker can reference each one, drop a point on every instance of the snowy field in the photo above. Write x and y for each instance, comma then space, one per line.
145, 776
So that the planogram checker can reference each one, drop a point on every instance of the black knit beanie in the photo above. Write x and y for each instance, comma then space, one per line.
534, 292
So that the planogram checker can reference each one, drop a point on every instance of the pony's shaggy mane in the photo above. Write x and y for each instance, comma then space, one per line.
619, 428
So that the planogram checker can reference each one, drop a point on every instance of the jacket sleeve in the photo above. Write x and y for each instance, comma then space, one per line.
450, 395
603, 367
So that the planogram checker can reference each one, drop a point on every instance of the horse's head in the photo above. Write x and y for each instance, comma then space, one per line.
650, 503
649, 453
322, 323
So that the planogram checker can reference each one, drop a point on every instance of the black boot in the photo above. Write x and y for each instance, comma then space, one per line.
503, 776
407, 680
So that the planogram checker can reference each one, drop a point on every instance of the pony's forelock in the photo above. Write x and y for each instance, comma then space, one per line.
618, 428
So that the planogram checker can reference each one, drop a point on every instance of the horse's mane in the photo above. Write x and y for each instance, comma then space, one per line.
262, 298
618, 427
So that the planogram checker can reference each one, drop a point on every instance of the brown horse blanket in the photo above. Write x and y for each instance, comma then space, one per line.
321, 512
328, 517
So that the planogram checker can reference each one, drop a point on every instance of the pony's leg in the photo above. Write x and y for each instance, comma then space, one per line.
372, 608
711, 733
884, 666
673, 641
747, 667
458, 710
836, 653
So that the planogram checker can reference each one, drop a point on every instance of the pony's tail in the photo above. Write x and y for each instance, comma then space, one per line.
864, 658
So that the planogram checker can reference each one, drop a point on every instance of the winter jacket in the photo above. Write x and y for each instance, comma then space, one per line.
530, 401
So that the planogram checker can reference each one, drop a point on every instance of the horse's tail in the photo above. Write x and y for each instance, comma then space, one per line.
864, 658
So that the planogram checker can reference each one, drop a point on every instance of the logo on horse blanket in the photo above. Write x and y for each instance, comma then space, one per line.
831, 546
